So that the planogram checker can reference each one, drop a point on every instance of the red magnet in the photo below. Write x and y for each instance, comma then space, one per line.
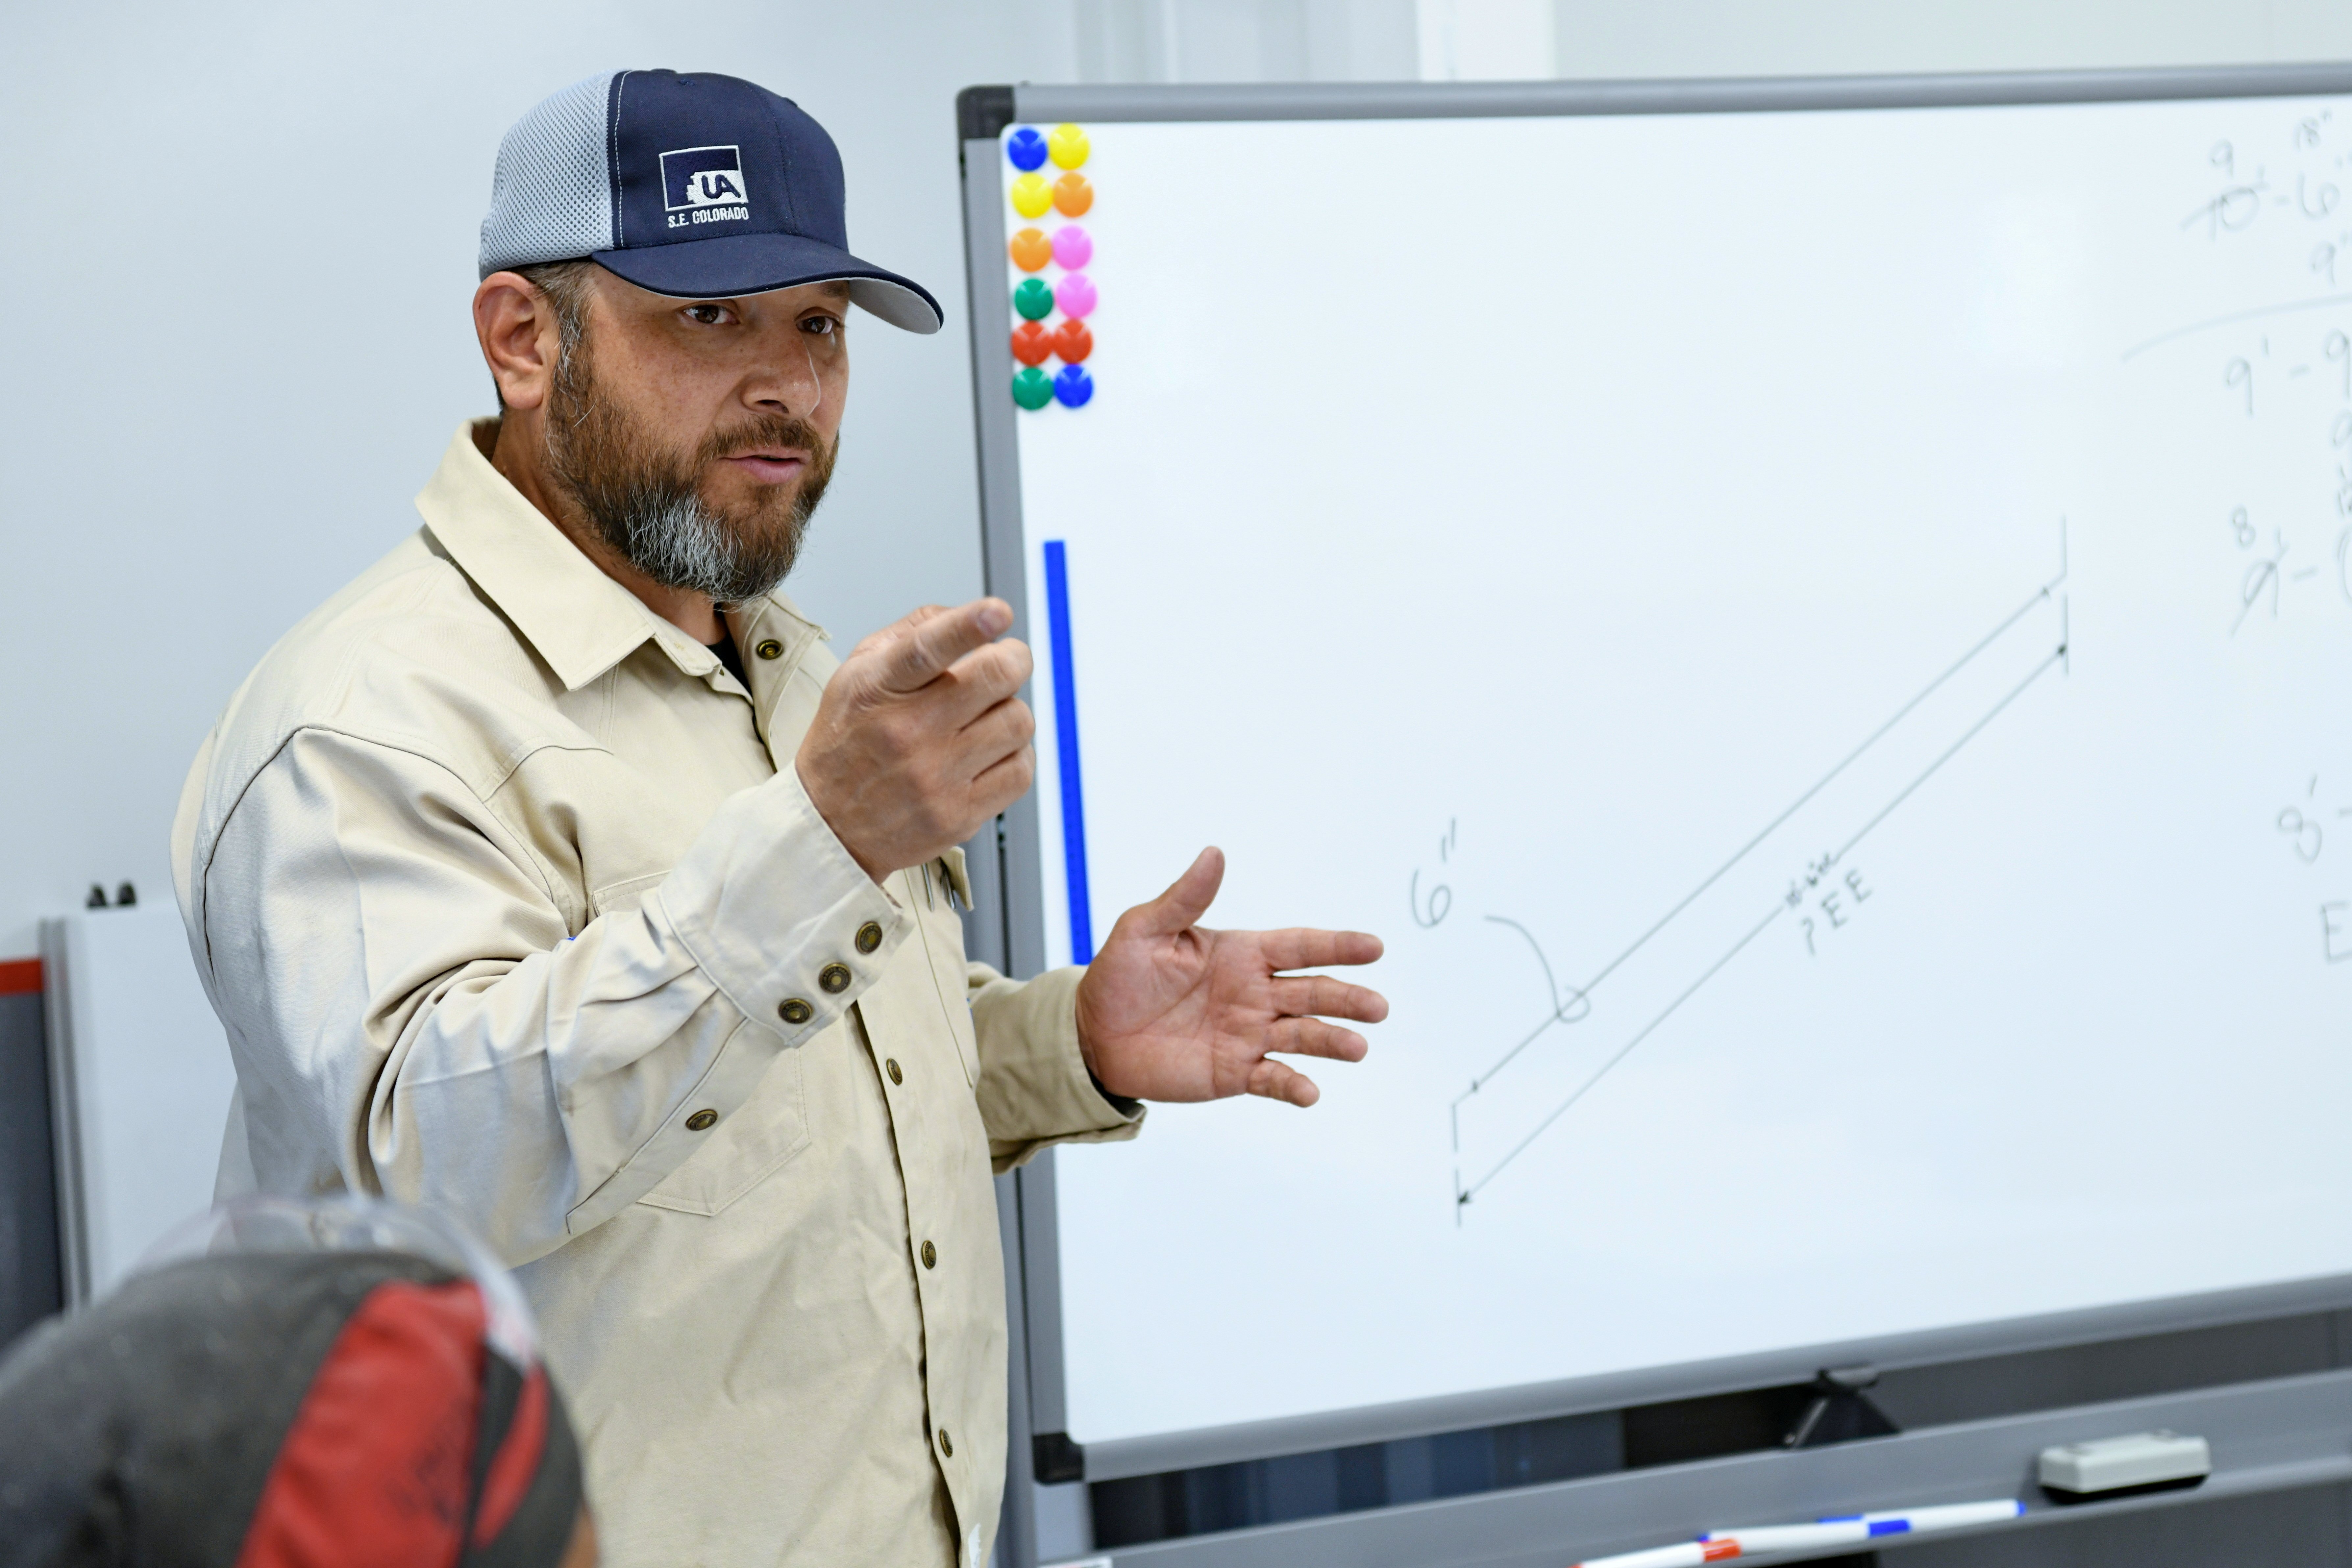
1072, 341
1031, 250
1072, 195
1074, 294
1032, 342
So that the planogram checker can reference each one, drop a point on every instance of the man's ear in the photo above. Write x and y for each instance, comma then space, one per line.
521, 338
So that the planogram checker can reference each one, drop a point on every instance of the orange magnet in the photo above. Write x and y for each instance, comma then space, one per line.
1030, 196
1031, 250
1072, 194
1032, 342
1074, 342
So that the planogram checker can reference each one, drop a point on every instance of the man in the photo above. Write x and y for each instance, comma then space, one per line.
554, 873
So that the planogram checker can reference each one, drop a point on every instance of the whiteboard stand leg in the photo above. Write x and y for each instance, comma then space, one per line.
1841, 1411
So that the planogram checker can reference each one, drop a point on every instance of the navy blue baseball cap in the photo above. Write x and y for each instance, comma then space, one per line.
695, 186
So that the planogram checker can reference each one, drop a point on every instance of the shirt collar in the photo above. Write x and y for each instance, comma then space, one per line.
577, 619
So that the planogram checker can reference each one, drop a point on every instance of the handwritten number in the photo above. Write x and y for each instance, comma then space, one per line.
1440, 901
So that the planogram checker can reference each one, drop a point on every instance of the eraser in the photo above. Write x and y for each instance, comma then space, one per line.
2123, 1467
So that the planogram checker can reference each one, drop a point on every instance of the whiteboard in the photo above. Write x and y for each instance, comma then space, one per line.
1818, 639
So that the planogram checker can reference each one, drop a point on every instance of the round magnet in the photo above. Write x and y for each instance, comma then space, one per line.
1033, 300
1073, 388
1025, 148
1074, 294
1032, 342
1030, 197
1032, 388
1068, 146
1070, 339
1072, 195
1030, 249
1073, 247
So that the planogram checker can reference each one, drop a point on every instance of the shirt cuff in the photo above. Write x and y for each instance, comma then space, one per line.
1034, 1088
778, 913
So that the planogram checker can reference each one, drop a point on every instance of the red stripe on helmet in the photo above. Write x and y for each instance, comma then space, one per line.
375, 1470
515, 1463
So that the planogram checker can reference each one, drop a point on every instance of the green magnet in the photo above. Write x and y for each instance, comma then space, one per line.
1033, 388
1033, 300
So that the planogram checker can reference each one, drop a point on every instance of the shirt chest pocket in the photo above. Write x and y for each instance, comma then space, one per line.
745, 1148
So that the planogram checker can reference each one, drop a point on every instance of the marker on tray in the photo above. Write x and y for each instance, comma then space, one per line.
1682, 1554
1936, 1516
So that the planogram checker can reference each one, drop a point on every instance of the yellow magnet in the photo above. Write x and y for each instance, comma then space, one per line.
1030, 197
1067, 146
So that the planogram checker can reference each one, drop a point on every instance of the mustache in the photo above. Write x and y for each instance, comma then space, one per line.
761, 432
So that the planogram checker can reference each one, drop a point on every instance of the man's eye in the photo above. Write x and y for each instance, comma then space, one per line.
822, 326
708, 314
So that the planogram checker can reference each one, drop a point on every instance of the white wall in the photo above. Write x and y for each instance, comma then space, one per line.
233, 297
234, 284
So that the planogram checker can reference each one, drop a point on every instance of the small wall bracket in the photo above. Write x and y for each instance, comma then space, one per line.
1841, 1411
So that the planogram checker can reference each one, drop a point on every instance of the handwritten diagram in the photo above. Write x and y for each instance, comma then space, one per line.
1798, 871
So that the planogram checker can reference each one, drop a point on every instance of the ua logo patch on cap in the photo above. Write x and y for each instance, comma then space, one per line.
696, 179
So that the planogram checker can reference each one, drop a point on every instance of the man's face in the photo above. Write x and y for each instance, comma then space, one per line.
696, 435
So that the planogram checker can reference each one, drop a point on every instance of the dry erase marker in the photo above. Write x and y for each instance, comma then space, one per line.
1941, 1516
1682, 1554
1757, 1537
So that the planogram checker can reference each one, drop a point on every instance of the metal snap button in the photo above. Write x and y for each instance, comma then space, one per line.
702, 1121
890, 1066
793, 1011
834, 978
769, 648
930, 1256
947, 1444
869, 937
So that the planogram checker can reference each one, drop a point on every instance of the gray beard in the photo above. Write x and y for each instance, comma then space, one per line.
669, 534
645, 506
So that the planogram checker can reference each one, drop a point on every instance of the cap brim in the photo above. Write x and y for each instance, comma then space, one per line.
727, 266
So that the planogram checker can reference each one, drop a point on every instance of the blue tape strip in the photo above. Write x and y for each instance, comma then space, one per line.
1890, 1527
1065, 750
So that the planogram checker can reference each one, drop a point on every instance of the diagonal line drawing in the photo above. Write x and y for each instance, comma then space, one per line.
1576, 1004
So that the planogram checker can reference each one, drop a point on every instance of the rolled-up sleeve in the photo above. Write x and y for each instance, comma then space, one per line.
1035, 1089
403, 984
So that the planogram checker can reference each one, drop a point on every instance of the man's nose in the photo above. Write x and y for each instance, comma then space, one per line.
792, 384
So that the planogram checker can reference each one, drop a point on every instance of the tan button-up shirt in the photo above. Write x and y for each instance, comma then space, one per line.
513, 905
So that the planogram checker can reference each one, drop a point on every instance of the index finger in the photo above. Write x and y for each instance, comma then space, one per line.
896, 629
926, 650
1301, 947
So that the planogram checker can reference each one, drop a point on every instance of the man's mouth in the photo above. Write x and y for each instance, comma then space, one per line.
771, 464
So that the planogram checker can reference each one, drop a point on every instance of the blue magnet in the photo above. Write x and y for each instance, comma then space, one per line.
1025, 148
1073, 388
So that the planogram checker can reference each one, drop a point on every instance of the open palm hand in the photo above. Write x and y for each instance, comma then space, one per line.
1173, 1010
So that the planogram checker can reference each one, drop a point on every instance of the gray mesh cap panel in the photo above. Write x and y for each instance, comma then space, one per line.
552, 198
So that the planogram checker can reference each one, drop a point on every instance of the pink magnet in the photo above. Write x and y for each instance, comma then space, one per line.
1073, 247
1074, 295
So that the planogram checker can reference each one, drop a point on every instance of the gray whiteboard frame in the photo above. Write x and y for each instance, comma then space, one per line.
1034, 1286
